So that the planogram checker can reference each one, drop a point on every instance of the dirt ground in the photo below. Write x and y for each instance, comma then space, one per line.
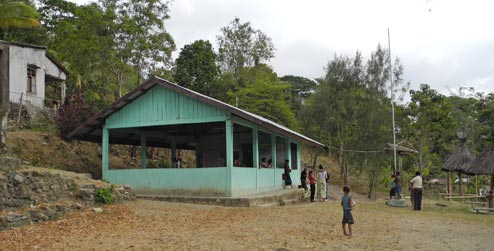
152, 225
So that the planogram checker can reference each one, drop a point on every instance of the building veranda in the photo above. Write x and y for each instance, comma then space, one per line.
227, 143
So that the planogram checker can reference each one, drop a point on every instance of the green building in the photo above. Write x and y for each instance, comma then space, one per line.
226, 143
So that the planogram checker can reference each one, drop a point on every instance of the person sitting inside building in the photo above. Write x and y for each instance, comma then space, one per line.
264, 163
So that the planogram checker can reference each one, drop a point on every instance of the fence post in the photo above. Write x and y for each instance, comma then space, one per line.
20, 111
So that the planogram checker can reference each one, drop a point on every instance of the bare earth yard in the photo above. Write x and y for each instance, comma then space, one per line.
151, 225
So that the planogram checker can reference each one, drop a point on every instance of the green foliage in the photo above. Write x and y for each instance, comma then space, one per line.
240, 46
104, 195
141, 36
196, 67
14, 15
264, 95
433, 127
485, 109
300, 89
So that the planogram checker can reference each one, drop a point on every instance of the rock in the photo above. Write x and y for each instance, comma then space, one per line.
85, 194
9, 163
26, 163
38, 247
19, 178
97, 210
88, 175
77, 206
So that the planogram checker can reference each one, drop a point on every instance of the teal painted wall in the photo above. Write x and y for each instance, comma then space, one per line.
199, 180
161, 106
243, 180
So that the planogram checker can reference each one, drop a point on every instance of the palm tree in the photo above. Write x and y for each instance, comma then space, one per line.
17, 14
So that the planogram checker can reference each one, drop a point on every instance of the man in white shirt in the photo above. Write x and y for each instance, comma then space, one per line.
416, 183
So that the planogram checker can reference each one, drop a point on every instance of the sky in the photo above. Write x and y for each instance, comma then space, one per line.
444, 43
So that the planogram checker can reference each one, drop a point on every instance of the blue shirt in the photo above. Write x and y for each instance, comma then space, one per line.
345, 202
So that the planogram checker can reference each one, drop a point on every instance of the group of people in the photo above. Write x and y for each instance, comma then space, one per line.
266, 163
415, 188
321, 178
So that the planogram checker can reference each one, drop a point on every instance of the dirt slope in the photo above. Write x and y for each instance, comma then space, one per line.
48, 150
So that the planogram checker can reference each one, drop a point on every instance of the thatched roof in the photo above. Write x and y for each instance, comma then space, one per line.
459, 160
483, 164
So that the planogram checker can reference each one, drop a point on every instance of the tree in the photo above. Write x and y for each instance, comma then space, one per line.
17, 14
265, 95
433, 126
196, 67
351, 112
485, 110
241, 46
142, 39
300, 89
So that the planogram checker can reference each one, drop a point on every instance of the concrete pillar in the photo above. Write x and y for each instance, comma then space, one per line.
173, 151
229, 154
255, 151
104, 153
143, 152
273, 153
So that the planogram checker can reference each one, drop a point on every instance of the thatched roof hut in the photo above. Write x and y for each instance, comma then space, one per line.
482, 165
459, 160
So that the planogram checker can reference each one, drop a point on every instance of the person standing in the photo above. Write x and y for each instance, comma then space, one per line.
303, 178
392, 187
287, 170
398, 185
347, 204
321, 183
327, 186
312, 182
416, 183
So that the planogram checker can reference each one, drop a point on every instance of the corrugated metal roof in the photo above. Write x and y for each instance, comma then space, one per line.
91, 129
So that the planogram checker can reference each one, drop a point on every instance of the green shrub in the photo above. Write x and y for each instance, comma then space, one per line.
104, 195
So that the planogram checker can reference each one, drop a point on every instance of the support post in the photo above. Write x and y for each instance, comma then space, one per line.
273, 153
104, 152
173, 152
143, 152
229, 154
255, 151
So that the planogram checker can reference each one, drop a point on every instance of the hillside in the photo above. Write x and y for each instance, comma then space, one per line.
48, 150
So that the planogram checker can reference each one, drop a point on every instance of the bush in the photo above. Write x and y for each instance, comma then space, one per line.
104, 195
73, 113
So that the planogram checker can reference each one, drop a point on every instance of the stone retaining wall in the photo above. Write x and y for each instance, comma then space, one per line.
34, 197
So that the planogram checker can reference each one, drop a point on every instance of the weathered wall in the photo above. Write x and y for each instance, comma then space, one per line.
20, 58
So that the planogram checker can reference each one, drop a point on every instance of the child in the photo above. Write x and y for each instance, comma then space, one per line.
321, 183
347, 204
392, 185
312, 182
